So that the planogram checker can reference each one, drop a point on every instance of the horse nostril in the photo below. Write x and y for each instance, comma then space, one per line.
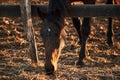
49, 70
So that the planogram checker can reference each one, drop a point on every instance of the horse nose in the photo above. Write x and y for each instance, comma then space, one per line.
49, 69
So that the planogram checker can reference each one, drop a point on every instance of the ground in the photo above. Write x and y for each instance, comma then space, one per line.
103, 62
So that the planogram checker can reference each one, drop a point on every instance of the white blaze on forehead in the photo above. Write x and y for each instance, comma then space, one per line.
49, 29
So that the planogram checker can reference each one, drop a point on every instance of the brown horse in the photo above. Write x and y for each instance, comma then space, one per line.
52, 31
117, 1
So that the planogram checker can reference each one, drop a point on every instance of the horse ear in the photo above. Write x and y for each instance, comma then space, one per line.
41, 14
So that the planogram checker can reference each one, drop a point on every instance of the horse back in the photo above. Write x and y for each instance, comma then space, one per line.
117, 1
85, 1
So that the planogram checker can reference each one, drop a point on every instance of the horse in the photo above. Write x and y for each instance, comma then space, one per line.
53, 34
117, 1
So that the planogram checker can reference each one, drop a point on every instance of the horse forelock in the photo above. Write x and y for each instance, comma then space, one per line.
56, 12
58, 5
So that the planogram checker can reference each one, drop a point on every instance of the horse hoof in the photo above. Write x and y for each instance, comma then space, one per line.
79, 64
110, 42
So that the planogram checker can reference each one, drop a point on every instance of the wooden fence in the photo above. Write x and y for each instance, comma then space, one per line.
26, 11
76, 11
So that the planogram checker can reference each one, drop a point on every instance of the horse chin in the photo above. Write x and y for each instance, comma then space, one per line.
51, 68
50, 72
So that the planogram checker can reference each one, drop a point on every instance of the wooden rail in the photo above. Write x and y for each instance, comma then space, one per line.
76, 11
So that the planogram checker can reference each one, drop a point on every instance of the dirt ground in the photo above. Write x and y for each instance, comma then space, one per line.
15, 63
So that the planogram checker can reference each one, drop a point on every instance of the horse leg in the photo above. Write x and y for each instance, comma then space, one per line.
76, 23
109, 32
85, 31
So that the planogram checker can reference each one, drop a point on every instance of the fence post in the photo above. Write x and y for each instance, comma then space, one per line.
25, 6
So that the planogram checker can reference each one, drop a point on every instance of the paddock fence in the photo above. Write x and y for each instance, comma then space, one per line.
87, 10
